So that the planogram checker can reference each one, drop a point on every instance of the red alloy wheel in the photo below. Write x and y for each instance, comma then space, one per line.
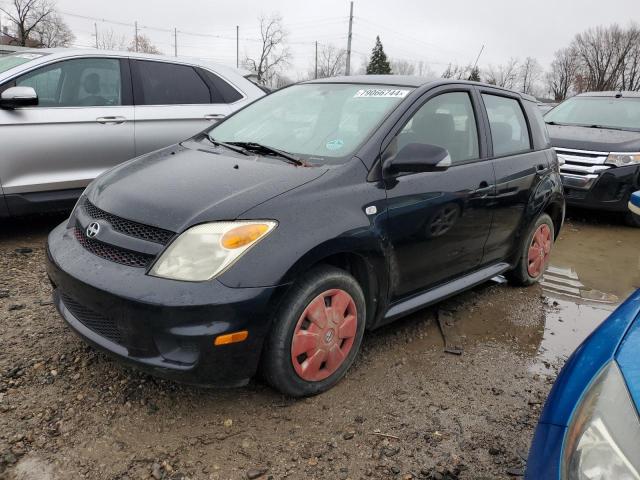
324, 335
539, 250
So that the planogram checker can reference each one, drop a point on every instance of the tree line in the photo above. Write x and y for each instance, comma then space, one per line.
37, 24
600, 58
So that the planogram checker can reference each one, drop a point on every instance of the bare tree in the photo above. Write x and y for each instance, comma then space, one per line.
331, 61
402, 67
424, 70
143, 44
603, 53
26, 16
457, 72
274, 54
53, 32
530, 73
110, 40
562, 76
630, 77
505, 75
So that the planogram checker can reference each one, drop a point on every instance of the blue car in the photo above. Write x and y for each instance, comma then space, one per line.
589, 428
634, 203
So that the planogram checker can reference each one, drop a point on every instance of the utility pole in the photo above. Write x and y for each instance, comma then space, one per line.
136, 25
237, 46
175, 42
95, 27
347, 70
316, 59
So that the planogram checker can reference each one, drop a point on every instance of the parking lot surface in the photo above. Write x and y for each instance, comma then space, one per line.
408, 408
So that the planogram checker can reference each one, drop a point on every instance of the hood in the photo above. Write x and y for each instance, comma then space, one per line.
179, 186
594, 139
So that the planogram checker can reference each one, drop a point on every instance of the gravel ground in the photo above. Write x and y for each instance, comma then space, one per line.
406, 410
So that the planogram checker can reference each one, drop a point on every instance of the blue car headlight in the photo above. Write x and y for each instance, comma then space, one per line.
603, 438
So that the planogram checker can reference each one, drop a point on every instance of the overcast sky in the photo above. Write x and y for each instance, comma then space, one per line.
436, 32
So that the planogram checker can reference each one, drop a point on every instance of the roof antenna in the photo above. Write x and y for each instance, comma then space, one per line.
619, 95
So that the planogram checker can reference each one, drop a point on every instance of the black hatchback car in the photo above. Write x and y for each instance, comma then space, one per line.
276, 238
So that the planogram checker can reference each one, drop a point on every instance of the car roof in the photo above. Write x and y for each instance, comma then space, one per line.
611, 94
409, 81
71, 52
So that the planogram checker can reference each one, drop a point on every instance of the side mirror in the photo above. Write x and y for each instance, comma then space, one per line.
15, 97
419, 157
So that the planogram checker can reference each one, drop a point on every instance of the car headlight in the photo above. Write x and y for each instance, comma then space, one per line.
204, 251
603, 439
623, 159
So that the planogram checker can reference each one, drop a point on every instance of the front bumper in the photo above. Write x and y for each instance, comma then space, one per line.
634, 203
164, 326
609, 190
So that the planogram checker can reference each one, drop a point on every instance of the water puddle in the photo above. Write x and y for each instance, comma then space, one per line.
593, 269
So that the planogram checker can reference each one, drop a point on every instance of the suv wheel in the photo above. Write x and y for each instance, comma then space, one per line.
535, 251
316, 333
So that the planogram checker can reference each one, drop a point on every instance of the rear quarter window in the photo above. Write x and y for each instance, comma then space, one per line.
225, 92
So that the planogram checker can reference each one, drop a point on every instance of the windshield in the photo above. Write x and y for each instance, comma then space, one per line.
9, 61
319, 122
608, 112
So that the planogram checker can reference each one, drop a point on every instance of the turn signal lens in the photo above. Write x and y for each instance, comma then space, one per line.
228, 338
243, 235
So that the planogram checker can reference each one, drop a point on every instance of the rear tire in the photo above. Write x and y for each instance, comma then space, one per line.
316, 334
534, 253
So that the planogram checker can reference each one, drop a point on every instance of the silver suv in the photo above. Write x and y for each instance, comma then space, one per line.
68, 115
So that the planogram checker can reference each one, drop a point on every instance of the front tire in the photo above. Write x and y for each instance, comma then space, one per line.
534, 253
316, 334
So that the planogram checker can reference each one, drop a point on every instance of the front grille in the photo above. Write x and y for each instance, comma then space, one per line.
94, 321
581, 162
111, 252
128, 227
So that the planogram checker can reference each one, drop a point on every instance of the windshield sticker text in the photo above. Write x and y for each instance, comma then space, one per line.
381, 93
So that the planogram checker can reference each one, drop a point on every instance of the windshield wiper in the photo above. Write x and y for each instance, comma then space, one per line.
258, 147
227, 145
609, 127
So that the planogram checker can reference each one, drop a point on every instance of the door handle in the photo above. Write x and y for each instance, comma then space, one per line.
214, 116
483, 190
110, 120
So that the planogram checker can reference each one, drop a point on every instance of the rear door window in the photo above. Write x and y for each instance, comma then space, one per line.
83, 82
509, 130
162, 83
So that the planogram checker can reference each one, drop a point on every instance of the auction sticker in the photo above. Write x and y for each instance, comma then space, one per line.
381, 93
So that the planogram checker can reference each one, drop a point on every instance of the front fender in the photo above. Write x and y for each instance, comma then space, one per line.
323, 218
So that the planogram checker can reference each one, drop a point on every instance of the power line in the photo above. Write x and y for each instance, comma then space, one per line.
375, 26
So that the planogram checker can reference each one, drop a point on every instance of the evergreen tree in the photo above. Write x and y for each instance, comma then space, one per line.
378, 65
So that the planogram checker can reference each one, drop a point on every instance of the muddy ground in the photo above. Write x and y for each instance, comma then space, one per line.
406, 410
